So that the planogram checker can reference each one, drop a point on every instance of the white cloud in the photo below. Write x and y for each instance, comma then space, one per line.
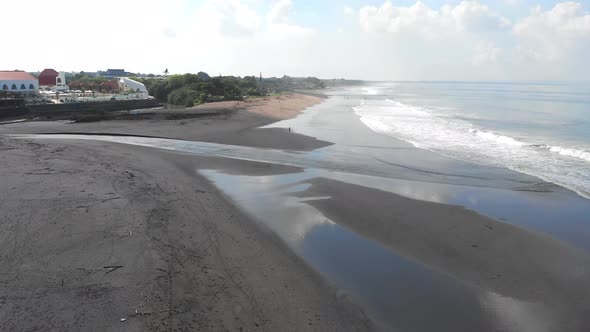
273, 45
169, 32
348, 11
529, 55
248, 36
486, 52
513, 2
552, 35
428, 22
278, 25
72, 18
231, 17
551, 44
564, 20
88, 40
279, 13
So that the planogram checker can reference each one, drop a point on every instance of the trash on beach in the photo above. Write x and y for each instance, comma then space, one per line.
112, 268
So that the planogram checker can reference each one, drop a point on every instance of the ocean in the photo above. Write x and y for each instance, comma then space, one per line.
540, 129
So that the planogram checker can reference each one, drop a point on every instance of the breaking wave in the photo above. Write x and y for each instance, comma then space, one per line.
581, 154
565, 166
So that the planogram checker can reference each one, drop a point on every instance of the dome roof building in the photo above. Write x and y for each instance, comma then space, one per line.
17, 82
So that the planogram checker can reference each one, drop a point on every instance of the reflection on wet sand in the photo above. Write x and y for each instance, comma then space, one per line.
291, 218
499, 194
342, 216
385, 282
358, 255
515, 315
333, 158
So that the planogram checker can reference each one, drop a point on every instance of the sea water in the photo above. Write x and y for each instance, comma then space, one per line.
537, 128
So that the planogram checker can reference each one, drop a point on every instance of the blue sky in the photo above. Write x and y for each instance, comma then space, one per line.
374, 39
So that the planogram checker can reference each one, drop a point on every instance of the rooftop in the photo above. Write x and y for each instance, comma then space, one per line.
51, 72
15, 76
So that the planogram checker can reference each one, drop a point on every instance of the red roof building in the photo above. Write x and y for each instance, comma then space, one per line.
17, 82
48, 77
109, 86
16, 76
76, 85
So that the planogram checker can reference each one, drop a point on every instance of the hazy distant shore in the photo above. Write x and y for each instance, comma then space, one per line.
95, 232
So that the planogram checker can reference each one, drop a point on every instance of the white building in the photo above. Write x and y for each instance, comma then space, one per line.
60, 82
129, 85
18, 82
51, 80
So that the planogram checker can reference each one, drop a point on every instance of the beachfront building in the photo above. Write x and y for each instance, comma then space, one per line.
21, 82
47, 77
109, 87
50, 79
129, 85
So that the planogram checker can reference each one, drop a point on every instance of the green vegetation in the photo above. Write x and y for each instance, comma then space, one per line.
194, 89
84, 79
288, 83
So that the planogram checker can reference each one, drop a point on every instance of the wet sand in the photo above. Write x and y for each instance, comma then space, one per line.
93, 232
408, 259
495, 257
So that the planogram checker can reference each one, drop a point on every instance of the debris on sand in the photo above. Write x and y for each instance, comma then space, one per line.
113, 268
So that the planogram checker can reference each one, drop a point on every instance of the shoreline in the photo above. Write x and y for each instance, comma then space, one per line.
521, 205
192, 248
232, 122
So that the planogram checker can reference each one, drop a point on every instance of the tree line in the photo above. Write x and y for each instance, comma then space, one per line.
195, 89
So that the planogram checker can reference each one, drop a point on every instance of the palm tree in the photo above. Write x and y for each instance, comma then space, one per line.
166, 71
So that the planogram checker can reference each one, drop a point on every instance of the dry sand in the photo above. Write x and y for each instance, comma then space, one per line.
277, 107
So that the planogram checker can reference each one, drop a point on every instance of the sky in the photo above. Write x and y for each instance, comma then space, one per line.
371, 39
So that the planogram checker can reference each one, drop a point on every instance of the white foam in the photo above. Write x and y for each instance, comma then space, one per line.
495, 137
581, 154
370, 91
459, 139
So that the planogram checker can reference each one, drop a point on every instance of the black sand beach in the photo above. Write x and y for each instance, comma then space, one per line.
104, 236
96, 233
